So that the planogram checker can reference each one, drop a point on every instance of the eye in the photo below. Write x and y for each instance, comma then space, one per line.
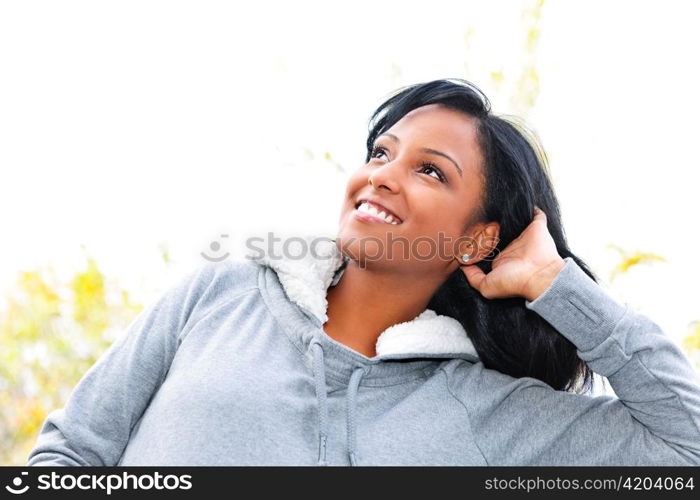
433, 167
377, 150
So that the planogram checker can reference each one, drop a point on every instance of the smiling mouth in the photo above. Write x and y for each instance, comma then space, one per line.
367, 207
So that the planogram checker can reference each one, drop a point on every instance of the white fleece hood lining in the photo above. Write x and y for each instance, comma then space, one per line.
307, 277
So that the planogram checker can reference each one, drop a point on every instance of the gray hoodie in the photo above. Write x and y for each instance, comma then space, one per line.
232, 367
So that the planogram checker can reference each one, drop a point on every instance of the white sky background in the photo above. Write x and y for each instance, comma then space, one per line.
128, 125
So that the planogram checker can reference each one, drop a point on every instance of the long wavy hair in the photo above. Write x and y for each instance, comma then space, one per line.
507, 336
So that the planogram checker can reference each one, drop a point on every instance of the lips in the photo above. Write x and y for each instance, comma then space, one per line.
380, 208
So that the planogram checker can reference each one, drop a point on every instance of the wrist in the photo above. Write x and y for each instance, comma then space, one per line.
542, 279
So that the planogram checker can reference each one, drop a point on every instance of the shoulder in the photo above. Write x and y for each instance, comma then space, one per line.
477, 384
210, 285
487, 393
214, 282
238, 274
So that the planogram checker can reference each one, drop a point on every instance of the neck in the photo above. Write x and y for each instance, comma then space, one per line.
380, 298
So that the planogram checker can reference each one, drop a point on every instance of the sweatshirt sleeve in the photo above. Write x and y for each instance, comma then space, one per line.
654, 420
94, 426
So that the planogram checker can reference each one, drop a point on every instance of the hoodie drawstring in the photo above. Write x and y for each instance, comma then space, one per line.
351, 407
320, 379
351, 411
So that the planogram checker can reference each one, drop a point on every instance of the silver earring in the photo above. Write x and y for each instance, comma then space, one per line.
465, 257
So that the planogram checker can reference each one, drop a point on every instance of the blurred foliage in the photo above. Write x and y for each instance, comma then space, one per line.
51, 333
522, 83
164, 253
528, 86
326, 157
630, 259
691, 343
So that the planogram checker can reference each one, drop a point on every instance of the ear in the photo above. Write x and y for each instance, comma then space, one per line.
487, 238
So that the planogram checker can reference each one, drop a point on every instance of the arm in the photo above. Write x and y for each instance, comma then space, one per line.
94, 426
654, 421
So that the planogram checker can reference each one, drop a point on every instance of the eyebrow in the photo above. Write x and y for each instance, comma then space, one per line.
428, 150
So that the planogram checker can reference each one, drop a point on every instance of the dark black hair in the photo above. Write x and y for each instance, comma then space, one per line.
507, 336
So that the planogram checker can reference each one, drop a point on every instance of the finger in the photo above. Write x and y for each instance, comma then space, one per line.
475, 276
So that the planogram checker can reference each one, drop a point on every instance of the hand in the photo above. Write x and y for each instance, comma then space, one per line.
525, 268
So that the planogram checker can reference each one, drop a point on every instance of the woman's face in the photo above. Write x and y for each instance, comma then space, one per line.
426, 170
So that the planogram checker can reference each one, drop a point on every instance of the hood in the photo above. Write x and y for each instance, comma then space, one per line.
306, 267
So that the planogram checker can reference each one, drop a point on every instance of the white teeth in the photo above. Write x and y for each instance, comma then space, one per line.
366, 207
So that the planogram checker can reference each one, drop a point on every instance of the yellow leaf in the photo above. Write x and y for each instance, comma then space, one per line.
631, 259
692, 341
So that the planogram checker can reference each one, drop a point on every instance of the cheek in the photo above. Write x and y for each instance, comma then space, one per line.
435, 210
441, 221
353, 188
356, 181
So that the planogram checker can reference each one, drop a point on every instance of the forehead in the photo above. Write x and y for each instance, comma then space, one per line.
437, 122
448, 130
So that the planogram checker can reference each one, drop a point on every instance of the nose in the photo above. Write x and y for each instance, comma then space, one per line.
386, 176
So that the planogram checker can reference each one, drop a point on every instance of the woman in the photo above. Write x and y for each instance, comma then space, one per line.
447, 323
